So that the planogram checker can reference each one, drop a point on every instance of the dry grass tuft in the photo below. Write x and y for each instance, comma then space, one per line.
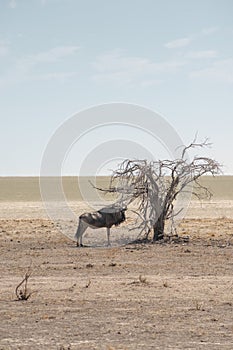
199, 306
142, 279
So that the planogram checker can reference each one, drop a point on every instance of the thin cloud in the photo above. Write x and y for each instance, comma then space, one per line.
44, 2
54, 54
59, 76
118, 68
12, 4
178, 43
202, 54
4, 49
151, 82
219, 71
25, 68
210, 30
183, 42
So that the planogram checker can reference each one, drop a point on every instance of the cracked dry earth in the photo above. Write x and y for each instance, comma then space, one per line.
154, 296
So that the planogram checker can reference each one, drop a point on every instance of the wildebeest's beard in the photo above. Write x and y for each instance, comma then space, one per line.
121, 218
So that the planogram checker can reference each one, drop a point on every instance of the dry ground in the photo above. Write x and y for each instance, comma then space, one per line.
155, 296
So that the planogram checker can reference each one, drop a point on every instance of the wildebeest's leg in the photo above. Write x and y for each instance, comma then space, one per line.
108, 235
82, 226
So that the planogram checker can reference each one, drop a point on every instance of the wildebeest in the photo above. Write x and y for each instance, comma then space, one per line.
105, 217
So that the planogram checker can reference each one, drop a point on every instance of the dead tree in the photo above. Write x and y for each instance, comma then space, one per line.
155, 186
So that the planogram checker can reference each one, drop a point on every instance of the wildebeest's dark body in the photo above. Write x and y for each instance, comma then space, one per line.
105, 217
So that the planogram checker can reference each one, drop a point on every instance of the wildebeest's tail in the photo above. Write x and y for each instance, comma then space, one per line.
80, 230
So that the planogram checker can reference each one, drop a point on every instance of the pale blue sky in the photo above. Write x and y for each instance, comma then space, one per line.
61, 56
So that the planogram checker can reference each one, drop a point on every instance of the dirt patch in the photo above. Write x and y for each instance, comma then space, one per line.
154, 296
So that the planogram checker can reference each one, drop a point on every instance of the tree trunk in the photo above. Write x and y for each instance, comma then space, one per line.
159, 228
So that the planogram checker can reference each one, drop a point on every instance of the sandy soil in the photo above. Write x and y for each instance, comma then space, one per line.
154, 296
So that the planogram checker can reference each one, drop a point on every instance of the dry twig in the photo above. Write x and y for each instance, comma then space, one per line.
21, 291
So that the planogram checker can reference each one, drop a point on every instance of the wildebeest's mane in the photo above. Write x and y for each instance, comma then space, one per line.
112, 209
